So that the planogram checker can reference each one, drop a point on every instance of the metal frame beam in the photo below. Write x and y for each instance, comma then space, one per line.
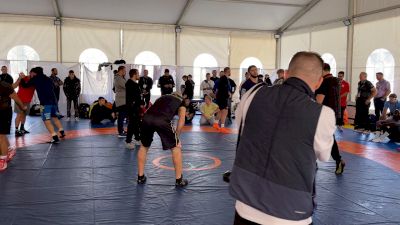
183, 12
56, 8
297, 16
259, 2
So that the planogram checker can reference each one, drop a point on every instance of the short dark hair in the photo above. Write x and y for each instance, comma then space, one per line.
280, 71
71, 71
121, 68
260, 76
248, 69
38, 70
226, 69
327, 67
190, 75
393, 95
52, 69
184, 76
100, 98
379, 73
166, 71
133, 72
341, 72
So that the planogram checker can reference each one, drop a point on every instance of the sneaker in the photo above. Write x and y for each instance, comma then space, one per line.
216, 126
340, 167
224, 130
68, 119
130, 145
24, 131
77, 119
62, 134
226, 176
122, 135
18, 133
55, 139
3, 164
181, 182
11, 153
141, 180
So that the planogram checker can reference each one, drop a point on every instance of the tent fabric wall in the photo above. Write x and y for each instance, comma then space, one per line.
80, 35
292, 43
38, 33
252, 44
385, 34
337, 39
155, 38
194, 42
363, 6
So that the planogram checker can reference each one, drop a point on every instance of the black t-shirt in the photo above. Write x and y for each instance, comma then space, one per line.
232, 85
364, 89
330, 88
247, 85
223, 88
5, 91
166, 80
190, 108
165, 107
7, 78
133, 94
189, 89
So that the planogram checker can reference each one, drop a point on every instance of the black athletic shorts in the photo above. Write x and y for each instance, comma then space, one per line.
5, 120
222, 103
164, 129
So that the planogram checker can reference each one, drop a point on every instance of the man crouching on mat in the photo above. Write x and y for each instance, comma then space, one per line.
158, 118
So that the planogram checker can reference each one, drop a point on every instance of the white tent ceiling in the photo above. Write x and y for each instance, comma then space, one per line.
268, 15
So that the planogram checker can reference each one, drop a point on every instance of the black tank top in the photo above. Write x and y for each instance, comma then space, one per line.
165, 107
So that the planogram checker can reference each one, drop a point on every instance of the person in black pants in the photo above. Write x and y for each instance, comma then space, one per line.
72, 90
133, 102
328, 94
366, 91
146, 84
188, 92
382, 92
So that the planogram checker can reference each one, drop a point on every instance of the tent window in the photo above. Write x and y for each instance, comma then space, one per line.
330, 59
248, 62
149, 60
92, 57
19, 56
202, 64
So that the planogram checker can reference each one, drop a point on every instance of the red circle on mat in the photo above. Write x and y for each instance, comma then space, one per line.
216, 162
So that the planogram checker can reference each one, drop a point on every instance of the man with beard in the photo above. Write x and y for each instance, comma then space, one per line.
249, 83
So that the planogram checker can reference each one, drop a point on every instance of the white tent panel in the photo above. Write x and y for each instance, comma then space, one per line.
291, 44
145, 11
259, 45
39, 34
157, 39
78, 36
194, 42
238, 15
337, 38
363, 6
325, 10
27, 7
385, 34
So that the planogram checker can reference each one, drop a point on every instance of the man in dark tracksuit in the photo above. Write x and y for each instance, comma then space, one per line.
146, 84
158, 118
283, 132
133, 102
328, 94
72, 90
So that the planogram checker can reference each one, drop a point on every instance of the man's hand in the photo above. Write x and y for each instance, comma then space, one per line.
21, 75
367, 101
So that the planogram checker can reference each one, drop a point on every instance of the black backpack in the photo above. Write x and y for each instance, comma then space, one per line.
84, 110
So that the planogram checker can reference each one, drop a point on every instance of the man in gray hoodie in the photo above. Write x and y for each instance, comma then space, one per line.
120, 99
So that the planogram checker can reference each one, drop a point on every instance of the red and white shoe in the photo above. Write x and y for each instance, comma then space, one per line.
3, 165
11, 153
216, 126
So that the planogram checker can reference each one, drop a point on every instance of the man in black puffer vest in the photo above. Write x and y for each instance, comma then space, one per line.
284, 133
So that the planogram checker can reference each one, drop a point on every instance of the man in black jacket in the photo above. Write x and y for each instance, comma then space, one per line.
166, 83
133, 102
72, 90
146, 84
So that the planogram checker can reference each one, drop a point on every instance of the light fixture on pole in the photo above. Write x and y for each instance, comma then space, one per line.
347, 22
178, 29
